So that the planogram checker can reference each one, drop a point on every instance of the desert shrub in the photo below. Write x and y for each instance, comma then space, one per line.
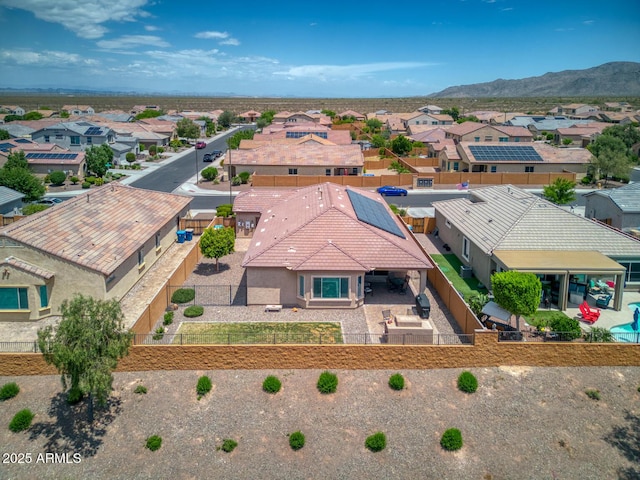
209, 173
593, 394
160, 149
140, 389
57, 177
74, 180
327, 382
586, 180
271, 384
154, 442
159, 333
135, 166
451, 439
224, 210
153, 150
21, 420
228, 445
90, 179
396, 381
32, 208
244, 177
193, 311
168, 318
235, 181
598, 335
130, 157
376, 442
47, 179
183, 295
567, 328
467, 382
296, 440
204, 385
9, 390
74, 396
86, 185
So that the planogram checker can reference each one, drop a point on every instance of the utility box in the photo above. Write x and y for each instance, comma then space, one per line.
423, 306
465, 271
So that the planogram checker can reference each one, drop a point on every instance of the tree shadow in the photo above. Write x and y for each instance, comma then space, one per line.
626, 438
70, 431
208, 269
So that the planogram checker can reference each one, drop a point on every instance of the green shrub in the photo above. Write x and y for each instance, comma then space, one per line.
74, 396
204, 385
451, 439
396, 381
21, 420
224, 210
159, 333
567, 328
74, 180
32, 208
209, 173
168, 318
183, 295
296, 440
193, 311
376, 442
586, 180
140, 389
153, 150
57, 177
244, 177
86, 185
130, 157
9, 390
598, 335
154, 442
467, 382
90, 179
271, 384
47, 179
235, 181
327, 382
228, 445
593, 394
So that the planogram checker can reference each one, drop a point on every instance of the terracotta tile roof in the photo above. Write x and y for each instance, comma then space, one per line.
434, 135
297, 155
316, 228
259, 200
443, 117
351, 113
27, 267
513, 131
465, 128
100, 229
250, 113
337, 137
548, 153
259, 142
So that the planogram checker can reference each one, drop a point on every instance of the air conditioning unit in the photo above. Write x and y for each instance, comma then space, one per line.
465, 271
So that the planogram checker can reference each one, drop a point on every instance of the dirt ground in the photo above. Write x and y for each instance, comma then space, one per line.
522, 423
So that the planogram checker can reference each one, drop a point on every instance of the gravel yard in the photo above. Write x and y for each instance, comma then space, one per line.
522, 423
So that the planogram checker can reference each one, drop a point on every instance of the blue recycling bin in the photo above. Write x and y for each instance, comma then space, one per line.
181, 236
188, 233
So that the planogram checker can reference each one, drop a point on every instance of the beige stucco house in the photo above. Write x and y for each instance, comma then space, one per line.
98, 244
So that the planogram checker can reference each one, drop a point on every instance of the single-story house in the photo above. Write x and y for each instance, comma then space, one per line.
99, 243
618, 207
249, 116
480, 132
10, 200
432, 109
315, 247
505, 228
44, 158
337, 137
80, 110
359, 117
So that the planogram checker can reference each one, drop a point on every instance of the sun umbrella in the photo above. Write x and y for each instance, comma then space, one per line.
636, 315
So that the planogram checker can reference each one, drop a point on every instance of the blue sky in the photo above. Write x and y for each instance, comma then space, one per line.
297, 48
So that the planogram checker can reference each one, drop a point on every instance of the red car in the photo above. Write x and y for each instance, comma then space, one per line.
200, 145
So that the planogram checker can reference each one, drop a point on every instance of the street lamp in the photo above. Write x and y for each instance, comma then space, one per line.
229, 167
196, 149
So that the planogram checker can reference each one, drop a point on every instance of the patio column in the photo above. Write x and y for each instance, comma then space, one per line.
563, 292
423, 281
617, 303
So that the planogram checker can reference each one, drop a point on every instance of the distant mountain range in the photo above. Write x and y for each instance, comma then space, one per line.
615, 79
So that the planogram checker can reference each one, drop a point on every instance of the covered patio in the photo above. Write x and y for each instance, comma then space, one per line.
566, 274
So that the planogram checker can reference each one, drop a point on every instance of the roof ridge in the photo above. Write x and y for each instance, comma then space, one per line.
330, 243
514, 224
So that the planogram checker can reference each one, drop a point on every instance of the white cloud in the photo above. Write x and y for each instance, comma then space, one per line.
508, 9
85, 19
230, 41
131, 41
151, 28
588, 22
46, 58
225, 38
323, 72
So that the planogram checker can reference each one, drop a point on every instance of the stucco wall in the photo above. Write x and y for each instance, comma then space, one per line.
602, 208
271, 286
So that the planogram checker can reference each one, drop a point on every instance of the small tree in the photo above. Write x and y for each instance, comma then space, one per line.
561, 191
185, 127
226, 118
4, 135
86, 345
57, 177
517, 292
216, 243
209, 173
98, 159
401, 145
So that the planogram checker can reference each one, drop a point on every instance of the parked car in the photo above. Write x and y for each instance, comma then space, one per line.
207, 158
200, 145
216, 153
49, 201
392, 191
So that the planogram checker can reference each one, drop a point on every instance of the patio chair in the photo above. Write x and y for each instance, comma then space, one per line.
602, 301
386, 316
589, 315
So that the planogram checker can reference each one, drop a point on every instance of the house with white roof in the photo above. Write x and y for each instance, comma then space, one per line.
74, 136
502, 228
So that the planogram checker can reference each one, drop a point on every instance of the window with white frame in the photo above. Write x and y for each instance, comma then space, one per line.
465, 248
331, 287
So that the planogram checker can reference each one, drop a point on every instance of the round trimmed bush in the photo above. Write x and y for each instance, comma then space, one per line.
467, 382
57, 177
396, 381
9, 390
86, 185
183, 295
168, 318
451, 439
154, 442
376, 442
327, 382
271, 384
21, 420
193, 311
228, 445
204, 385
296, 440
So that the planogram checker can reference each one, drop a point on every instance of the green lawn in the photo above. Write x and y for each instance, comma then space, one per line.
259, 332
450, 266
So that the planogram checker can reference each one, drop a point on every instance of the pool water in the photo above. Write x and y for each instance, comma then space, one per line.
624, 333
633, 306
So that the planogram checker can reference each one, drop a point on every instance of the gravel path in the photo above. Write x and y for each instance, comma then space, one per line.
522, 423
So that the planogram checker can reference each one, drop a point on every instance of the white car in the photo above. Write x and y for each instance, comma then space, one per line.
49, 201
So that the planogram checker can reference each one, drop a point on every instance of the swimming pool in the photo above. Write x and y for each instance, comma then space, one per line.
634, 305
624, 333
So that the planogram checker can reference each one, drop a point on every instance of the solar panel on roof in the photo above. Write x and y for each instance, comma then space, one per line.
93, 131
492, 153
374, 213
51, 156
5, 147
22, 140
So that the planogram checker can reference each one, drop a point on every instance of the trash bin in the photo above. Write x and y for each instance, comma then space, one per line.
423, 306
188, 234
181, 235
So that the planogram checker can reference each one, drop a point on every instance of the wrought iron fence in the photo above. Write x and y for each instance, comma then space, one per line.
20, 347
214, 295
588, 337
